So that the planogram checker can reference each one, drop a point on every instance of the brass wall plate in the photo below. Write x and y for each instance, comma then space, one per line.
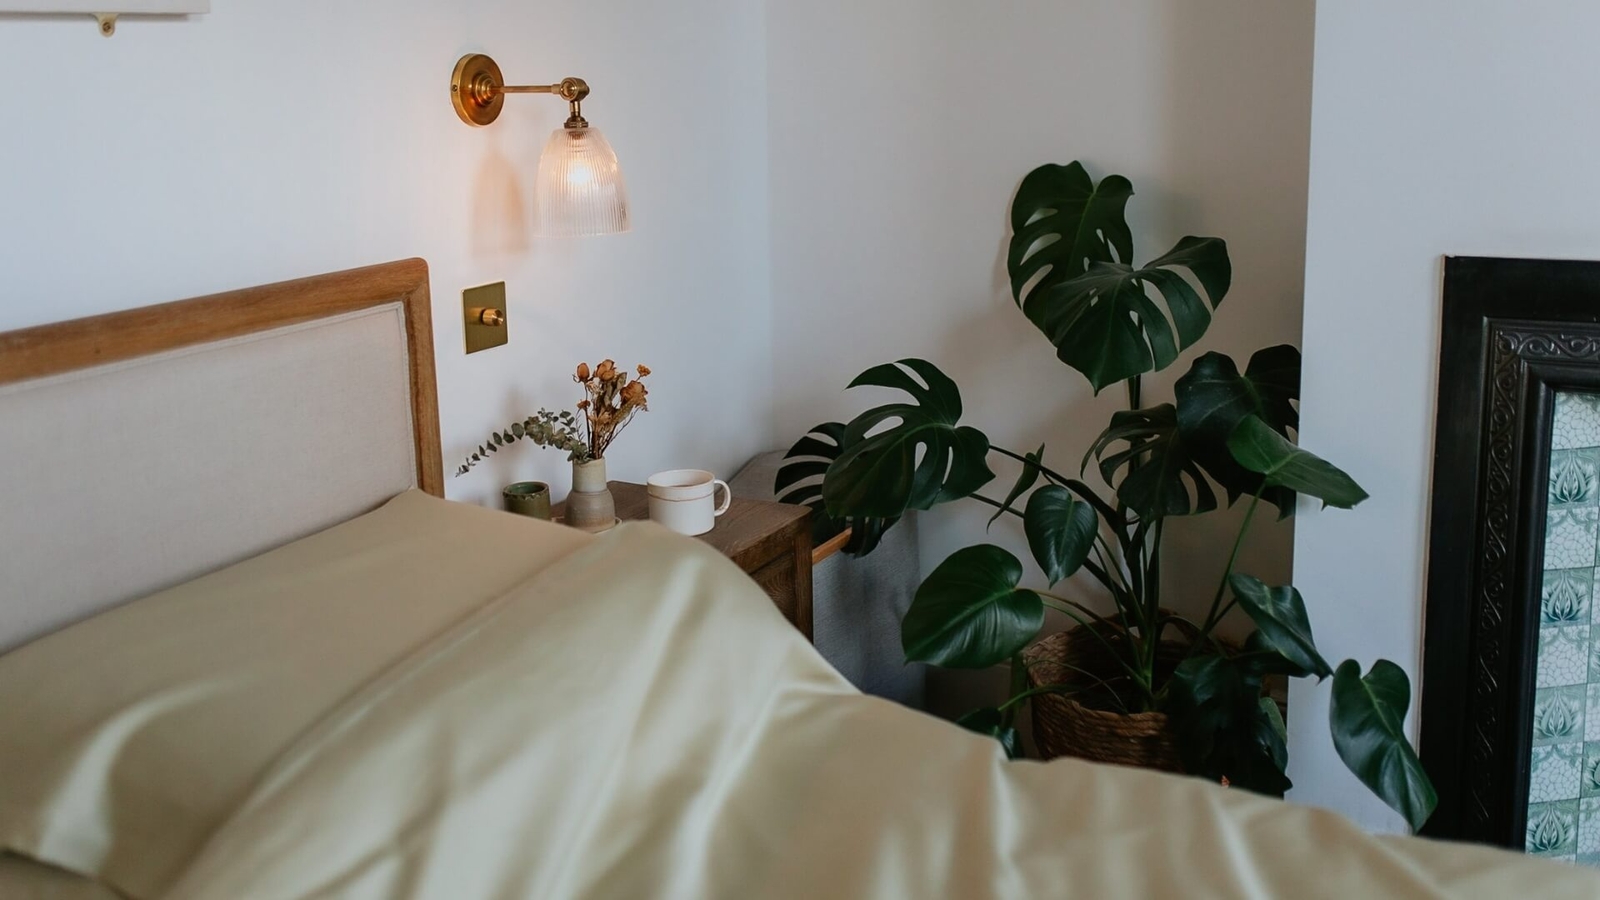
475, 89
483, 316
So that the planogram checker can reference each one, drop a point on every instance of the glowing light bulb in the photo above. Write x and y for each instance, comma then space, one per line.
580, 187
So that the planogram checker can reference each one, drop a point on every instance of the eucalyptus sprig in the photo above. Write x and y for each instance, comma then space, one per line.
558, 431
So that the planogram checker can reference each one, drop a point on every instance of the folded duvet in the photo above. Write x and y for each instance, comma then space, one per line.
636, 720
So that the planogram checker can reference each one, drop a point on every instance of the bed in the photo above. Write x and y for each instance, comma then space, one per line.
258, 655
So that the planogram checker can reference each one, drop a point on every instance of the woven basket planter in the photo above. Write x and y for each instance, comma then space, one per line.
1064, 727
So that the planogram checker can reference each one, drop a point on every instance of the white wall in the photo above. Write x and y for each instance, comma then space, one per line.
1439, 127
274, 140
899, 131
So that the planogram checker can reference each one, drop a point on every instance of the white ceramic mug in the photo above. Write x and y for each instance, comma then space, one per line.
684, 499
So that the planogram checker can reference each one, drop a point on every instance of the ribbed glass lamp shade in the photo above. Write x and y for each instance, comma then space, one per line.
580, 188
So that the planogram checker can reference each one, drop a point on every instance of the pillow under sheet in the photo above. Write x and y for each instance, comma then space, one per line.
129, 737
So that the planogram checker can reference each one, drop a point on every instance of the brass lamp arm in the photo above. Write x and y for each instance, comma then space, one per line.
572, 90
478, 91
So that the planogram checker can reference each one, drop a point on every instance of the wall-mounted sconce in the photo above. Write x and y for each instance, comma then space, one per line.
580, 189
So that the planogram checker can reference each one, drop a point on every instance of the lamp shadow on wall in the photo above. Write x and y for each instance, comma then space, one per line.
498, 223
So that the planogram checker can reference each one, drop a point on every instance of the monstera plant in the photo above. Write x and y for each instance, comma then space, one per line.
1229, 432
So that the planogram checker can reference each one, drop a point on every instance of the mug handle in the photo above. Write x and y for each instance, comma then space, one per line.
727, 496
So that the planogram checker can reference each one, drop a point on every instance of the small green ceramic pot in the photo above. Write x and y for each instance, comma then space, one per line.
528, 498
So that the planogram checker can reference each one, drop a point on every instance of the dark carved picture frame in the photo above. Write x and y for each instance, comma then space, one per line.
1515, 331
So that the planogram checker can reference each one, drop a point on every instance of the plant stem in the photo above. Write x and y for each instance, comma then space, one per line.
1083, 491
1072, 484
1074, 604
1143, 549
995, 503
1043, 469
1108, 558
1171, 618
1138, 677
1122, 603
1226, 608
1121, 595
1107, 566
1132, 547
1152, 577
1214, 616
1067, 689
1133, 553
1102, 575
1019, 681
1152, 590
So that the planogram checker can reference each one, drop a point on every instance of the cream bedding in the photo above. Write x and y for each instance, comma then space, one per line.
21, 878
128, 738
635, 719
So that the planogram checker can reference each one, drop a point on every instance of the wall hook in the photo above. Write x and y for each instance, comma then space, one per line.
108, 23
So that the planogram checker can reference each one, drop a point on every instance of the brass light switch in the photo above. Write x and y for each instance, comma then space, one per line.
483, 311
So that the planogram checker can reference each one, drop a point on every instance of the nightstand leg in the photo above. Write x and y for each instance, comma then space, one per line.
802, 583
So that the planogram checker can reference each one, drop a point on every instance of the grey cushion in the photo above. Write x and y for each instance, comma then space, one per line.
857, 604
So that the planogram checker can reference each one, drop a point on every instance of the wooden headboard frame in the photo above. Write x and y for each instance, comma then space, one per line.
114, 337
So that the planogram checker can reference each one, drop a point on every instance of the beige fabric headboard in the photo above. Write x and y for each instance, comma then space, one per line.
143, 448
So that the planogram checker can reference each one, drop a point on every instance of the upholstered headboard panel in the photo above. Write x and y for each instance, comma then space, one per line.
225, 426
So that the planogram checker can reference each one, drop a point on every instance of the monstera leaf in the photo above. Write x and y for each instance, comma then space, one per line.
1263, 656
881, 474
1280, 613
1105, 324
969, 612
1071, 268
1214, 397
1061, 221
1226, 731
1060, 529
1261, 449
799, 481
1162, 478
1366, 716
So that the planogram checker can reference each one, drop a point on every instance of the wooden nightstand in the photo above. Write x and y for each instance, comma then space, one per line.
771, 542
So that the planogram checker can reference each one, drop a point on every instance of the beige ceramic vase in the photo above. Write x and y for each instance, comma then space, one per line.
590, 506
